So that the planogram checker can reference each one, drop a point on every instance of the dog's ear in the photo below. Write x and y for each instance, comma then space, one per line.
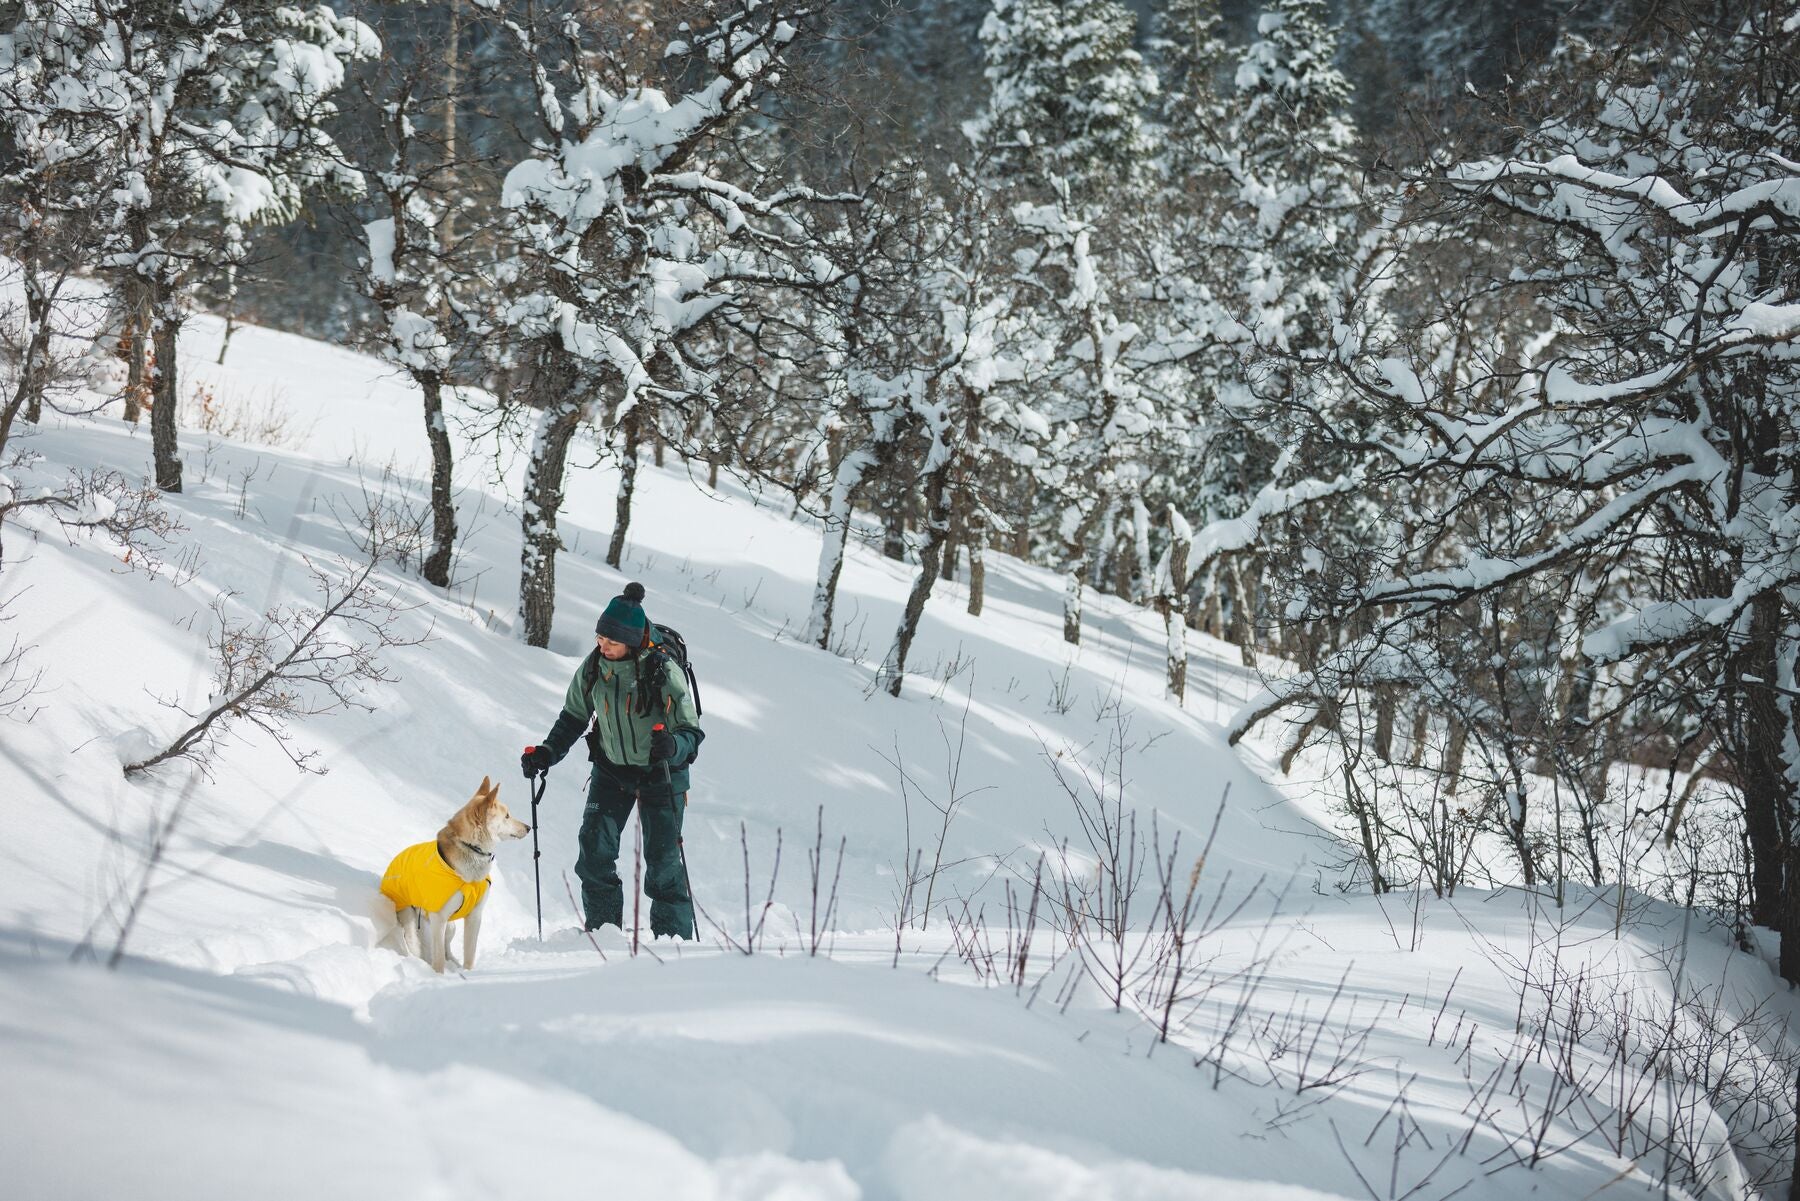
486, 788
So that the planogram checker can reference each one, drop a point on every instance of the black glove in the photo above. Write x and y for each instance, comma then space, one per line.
662, 746
536, 761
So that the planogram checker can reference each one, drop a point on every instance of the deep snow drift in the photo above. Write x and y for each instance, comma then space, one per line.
262, 1037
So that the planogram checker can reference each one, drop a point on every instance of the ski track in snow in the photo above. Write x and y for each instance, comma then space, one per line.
263, 1039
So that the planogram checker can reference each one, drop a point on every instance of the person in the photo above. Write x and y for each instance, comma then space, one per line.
643, 732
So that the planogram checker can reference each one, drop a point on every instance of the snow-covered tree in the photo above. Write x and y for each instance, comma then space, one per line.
1282, 239
49, 174
1631, 473
923, 335
215, 117
1092, 465
415, 275
1196, 64
1287, 151
1067, 93
955, 349
627, 239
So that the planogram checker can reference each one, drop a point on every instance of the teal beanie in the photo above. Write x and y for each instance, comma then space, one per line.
623, 619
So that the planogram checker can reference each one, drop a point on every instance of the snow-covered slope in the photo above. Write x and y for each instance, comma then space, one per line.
263, 1038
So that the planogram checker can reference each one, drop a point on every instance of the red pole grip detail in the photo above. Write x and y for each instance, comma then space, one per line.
657, 726
530, 749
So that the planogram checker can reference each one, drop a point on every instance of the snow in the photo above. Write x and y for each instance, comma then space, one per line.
262, 1037
381, 249
1776, 322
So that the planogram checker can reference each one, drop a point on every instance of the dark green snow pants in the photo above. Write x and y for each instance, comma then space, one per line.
602, 893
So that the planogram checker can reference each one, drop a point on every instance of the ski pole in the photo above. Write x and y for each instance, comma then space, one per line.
538, 784
680, 844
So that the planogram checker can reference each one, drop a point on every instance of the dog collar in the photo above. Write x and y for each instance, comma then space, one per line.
474, 850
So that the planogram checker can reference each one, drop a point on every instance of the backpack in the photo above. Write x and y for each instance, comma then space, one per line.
668, 641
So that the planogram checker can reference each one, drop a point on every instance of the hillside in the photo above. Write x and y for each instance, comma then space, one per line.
262, 1035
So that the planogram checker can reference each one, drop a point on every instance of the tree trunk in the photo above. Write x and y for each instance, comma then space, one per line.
976, 537
840, 504
1453, 754
1762, 773
1212, 614
1240, 630
225, 342
893, 525
1386, 703
1173, 603
34, 372
134, 344
831, 567
1073, 573
1516, 813
452, 70
1022, 531
163, 392
853, 471
443, 509
28, 396
543, 500
14, 405
140, 318
1078, 535
628, 465
1365, 828
937, 532
1141, 567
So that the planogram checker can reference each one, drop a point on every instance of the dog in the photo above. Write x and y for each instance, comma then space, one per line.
435, 883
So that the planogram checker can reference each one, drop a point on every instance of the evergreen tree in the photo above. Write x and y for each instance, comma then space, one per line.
1195, 59
1288, 151
1068, 92
1285, 233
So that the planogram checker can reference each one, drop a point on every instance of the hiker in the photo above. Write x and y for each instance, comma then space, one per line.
643, 731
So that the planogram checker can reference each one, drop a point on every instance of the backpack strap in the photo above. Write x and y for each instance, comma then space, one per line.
652, 678
687, 669
677, 649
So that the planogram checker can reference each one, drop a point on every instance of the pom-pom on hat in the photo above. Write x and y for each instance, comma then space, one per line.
623, 619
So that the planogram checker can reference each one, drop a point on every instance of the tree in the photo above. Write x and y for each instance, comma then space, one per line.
1066, 90
922, 336
216, 119
49, 174
627, 239
1100, 420
942, 359
1279, 153
1621, 485
414, 269
213, 118
1196, 66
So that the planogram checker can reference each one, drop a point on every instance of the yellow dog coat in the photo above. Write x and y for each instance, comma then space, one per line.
419, 877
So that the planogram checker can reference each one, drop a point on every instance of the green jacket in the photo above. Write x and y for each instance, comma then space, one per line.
622, 726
